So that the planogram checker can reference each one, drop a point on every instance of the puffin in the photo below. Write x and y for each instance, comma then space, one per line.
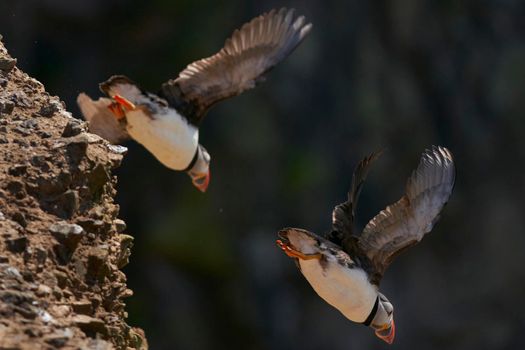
167, 123
345, 268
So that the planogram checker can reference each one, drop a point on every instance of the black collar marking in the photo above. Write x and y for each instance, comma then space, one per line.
372, 314
193, 160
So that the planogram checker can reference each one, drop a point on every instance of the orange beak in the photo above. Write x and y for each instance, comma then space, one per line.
387, 334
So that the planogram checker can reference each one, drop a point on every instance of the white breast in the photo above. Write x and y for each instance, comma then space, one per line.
168, 136
348, 290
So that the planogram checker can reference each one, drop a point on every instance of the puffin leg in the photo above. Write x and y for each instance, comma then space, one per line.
126, 104
116, 110
120, 106
292, 253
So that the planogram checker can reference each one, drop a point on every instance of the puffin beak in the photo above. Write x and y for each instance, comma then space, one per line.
388, 333
289, 250
120, 106
202, 182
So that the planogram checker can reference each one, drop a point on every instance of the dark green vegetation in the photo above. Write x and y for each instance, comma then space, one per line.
401, 75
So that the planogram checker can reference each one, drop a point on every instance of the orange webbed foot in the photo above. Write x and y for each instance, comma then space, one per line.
116, 110
120, 106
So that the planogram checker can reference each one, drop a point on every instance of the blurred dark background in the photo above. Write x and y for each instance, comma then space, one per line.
396, 74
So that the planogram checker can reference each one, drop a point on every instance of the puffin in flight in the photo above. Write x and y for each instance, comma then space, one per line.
345, 268
167, 123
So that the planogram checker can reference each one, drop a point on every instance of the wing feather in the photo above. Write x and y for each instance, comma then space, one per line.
405, 222
249, 53
343, 215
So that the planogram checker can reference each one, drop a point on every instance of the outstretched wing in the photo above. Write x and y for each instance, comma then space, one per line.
405, 222
238, 66
101, 121
343, 216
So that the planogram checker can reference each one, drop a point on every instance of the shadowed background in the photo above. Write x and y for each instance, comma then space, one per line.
402, 75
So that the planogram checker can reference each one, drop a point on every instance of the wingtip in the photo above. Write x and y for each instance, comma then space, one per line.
376, 154
439, 153
287, 15
305, 30
287, 11
84, 102
438, 157
82, 97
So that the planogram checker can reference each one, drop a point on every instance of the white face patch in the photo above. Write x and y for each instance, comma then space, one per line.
202, 164
385, 312
302, 242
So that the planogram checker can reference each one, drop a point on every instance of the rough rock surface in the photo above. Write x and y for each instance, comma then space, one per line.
61, 244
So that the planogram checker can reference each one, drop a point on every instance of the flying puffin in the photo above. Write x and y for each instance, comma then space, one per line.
345, 268
167, 123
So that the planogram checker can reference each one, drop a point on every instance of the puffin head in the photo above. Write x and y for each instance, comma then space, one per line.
383, 321
200, 171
